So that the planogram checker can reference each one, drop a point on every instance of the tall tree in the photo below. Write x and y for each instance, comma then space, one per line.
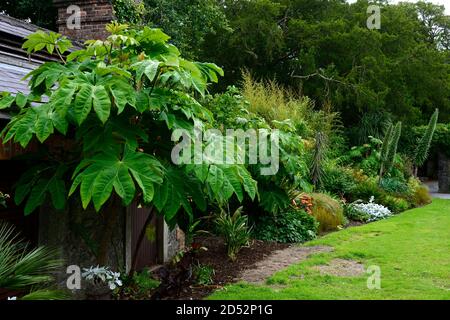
39, 12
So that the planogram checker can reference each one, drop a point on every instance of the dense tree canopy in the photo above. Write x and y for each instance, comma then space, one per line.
325, 49
39, 12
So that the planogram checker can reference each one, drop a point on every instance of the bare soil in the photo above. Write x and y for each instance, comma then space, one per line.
279, 260
341, 268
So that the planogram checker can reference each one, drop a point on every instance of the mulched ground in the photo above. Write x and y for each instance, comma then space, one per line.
227, 271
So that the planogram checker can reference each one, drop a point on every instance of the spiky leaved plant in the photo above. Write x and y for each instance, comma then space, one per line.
424, 144
318, 158
389, 149
26, 271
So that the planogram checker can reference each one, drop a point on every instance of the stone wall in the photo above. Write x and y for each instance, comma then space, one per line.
444, 172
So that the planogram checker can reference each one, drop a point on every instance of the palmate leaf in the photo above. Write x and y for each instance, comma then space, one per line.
48, 74
39, 121
226, 180
50, 41
176, 192
6, 101
21, 128
274, 200
38, 183
90, 96
148, 67
99, 176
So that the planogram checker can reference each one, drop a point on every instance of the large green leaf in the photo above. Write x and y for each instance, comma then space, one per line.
148, 67
98, 176
226, 180
92, 96
101, 102
38, 183
6, 101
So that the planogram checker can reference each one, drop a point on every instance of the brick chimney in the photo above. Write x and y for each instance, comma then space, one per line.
92, 16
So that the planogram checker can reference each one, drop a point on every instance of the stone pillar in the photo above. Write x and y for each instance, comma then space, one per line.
93, 14
444, 172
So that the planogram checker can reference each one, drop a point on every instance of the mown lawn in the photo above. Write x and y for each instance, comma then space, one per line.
412, 250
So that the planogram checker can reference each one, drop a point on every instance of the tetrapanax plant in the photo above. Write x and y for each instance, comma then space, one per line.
115, 104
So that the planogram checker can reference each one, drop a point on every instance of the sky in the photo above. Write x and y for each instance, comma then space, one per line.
446, 3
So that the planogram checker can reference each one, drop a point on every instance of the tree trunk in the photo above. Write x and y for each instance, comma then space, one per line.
111, 214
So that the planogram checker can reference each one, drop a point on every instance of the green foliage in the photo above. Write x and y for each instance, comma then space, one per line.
272, 102
318, 159
353, 214
203, 274
234, 230
418, 194
338, 181
389, 149
367, 188
327, 211
400, 70
394, 185
291, 226
116, 105
144, 281
395, 204
232, 111
129, 11
423, 147
189, 22
97, 177
40, 12
27, 270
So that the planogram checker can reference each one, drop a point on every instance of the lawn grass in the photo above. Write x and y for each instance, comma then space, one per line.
412, 250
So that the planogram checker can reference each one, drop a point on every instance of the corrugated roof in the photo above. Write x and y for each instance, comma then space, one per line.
17, 27
12, 71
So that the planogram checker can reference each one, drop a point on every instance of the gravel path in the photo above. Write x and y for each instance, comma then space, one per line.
434, 190
277, 261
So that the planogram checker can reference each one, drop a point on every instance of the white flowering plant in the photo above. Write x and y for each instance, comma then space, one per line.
367, 211
102, 275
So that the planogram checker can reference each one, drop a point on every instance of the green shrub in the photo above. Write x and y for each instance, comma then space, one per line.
234, 229
338, 181
28, 271
143, 282
395, 204
352, 213
418, 194
421, 196
367, 188
292, 226
394, 185
327, 211
204, 274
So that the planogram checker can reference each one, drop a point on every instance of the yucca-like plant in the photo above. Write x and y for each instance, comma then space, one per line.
235, 231
389, 149
424, 144
318, 159
24, 270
